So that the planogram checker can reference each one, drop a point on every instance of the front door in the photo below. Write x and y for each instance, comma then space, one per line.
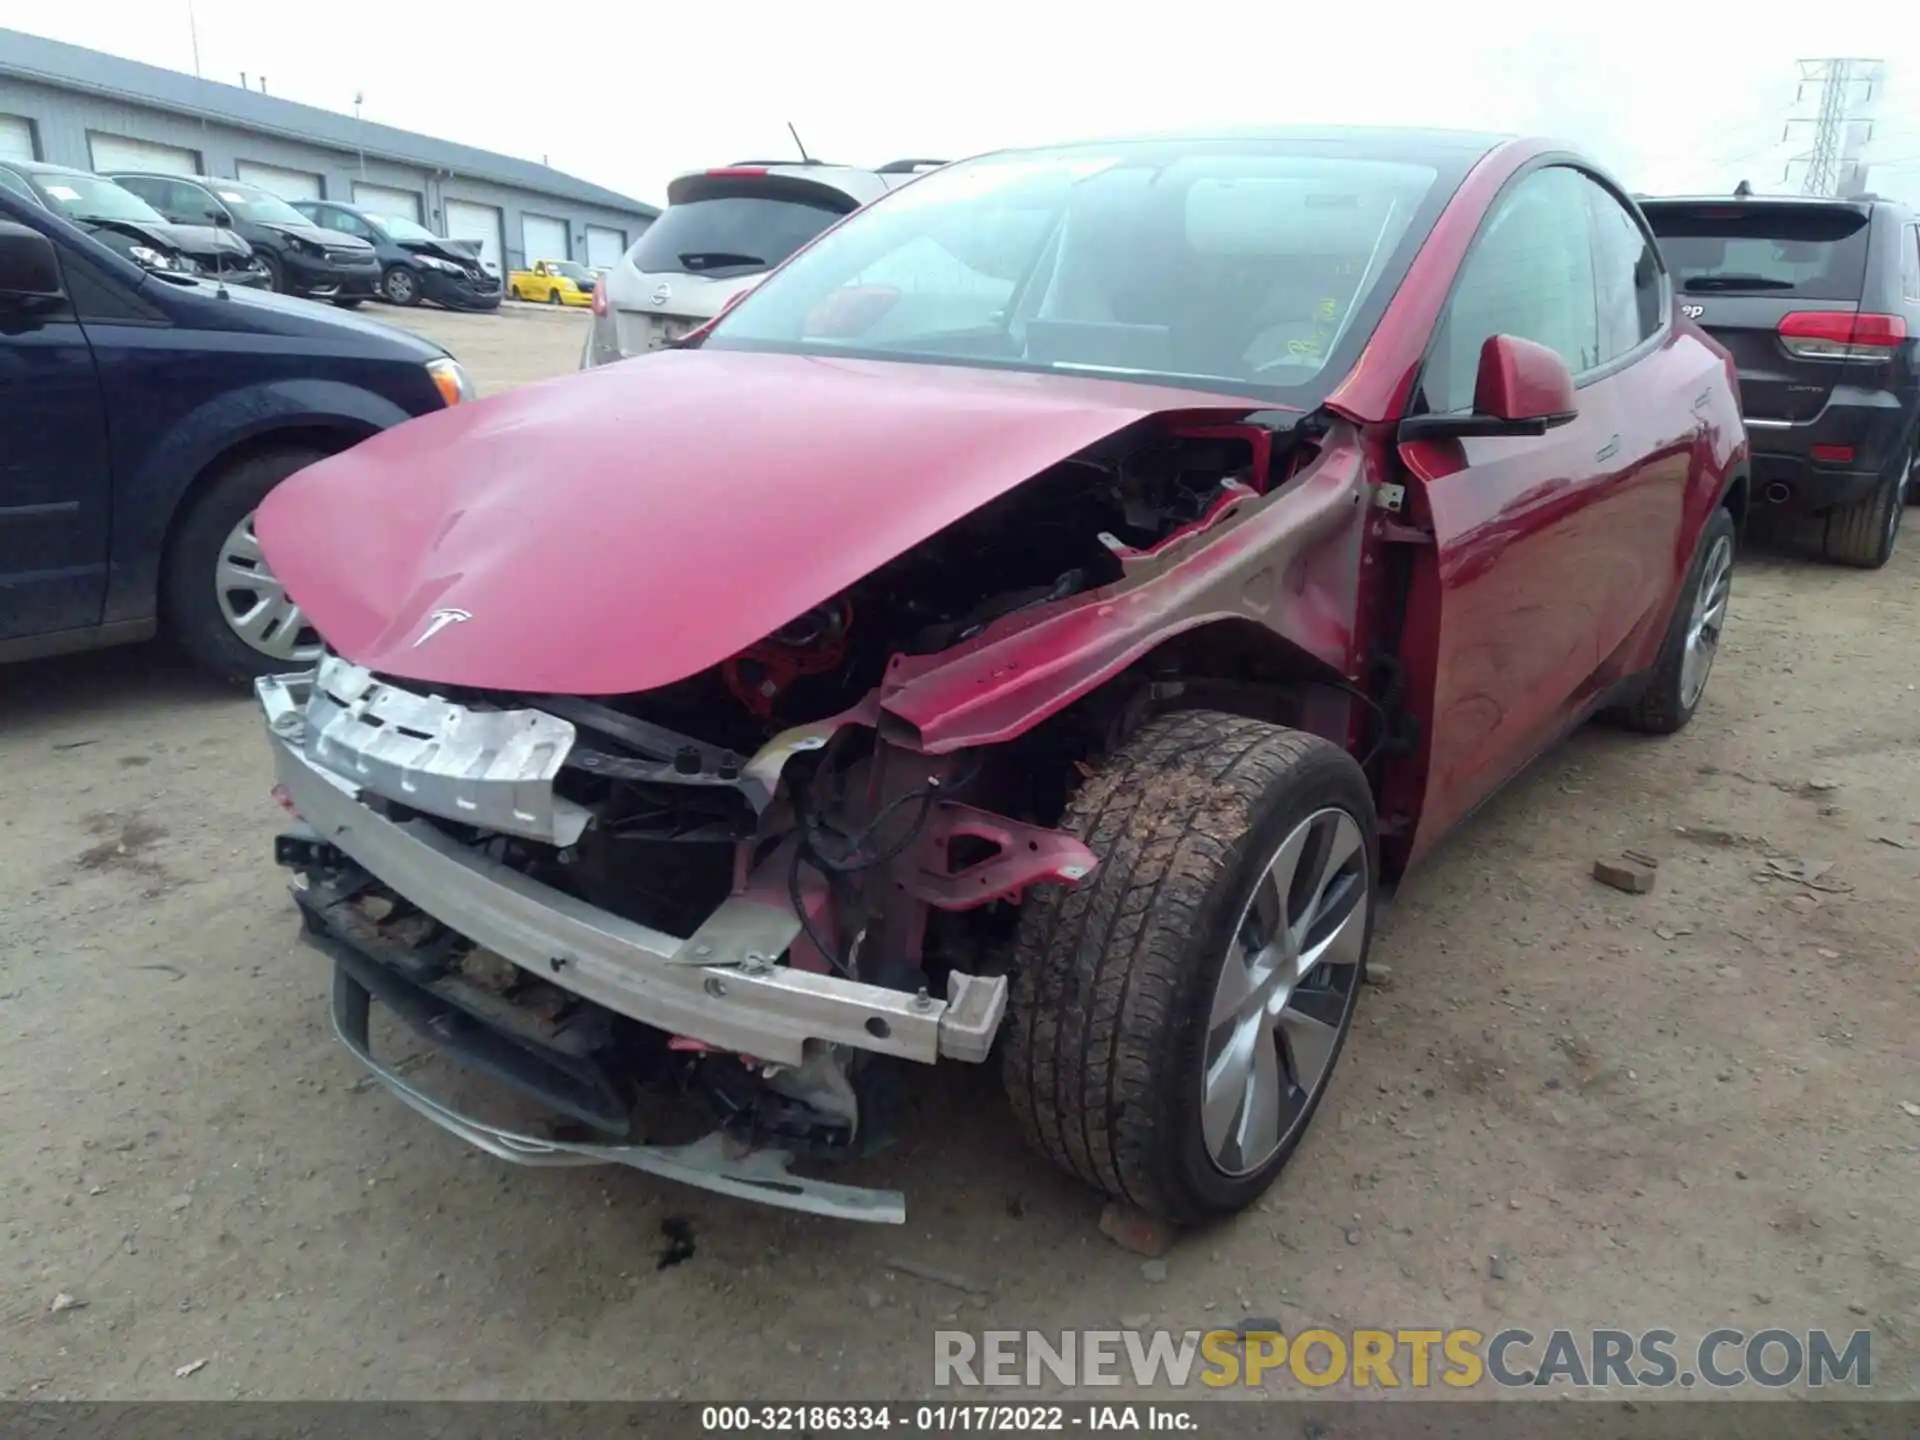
55, 475
1549, 551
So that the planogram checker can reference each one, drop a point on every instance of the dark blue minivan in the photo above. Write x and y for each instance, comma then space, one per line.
143, 417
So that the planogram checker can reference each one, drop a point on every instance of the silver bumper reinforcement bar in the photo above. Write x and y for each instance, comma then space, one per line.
718, 986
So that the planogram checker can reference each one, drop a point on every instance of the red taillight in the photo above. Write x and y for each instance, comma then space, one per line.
599, 303
1833, 454
727, 172
283, 797
1841, 334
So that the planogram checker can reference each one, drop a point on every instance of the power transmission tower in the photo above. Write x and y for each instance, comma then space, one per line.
1846, 90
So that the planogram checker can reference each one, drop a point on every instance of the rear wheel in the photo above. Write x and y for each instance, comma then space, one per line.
553, 296
1693, 636
349, 302
222, 603
1864, 533
1176, 1018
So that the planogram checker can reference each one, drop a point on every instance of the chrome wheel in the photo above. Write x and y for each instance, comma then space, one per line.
1704, 625
1283, 992
255, 604
400, 287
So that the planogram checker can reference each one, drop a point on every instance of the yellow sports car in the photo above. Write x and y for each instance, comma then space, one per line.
553, 282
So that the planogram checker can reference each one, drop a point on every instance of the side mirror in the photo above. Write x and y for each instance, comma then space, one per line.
220, 220
1521, 388
1522, 382
29, 268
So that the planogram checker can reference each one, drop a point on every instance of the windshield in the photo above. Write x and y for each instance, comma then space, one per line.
401, 228
1234, 263
260, 206
1818, 252
569, 269
89, 197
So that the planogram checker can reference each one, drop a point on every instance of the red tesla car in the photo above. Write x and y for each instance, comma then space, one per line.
1029, 627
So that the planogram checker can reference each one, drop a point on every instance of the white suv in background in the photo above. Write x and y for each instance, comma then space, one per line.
721, 231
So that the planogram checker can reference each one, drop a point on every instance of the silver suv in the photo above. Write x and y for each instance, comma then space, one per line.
721, 231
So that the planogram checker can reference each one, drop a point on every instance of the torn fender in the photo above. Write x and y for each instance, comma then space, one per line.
1289, 562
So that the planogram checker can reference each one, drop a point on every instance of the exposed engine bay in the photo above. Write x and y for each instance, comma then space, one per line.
765, 785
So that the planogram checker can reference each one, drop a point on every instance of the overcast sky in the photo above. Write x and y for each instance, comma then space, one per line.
1669, 96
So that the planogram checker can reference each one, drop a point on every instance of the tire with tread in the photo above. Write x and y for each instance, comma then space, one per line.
190, 611
1662, 709
1115, 977
1864, 533
398, 286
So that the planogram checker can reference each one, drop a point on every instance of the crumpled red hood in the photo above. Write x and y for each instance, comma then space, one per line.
624, 528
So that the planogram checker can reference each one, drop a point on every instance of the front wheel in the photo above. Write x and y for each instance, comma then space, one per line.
276, 275
222, 603
1176, 1018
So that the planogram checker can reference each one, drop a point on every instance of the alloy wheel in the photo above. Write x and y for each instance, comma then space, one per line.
256, 605
1283, 992
1704, 625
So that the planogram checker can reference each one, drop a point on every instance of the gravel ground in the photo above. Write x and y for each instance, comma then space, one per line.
1692, 1108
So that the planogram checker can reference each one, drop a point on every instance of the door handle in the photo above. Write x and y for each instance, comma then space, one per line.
1608, 450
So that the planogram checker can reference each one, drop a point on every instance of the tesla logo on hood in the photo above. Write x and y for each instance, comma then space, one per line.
440, 620
662, 294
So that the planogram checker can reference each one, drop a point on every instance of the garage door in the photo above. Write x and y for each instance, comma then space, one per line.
545, 238
385, 200
16, 138
287, 184
116, 152
467, 221
604, 246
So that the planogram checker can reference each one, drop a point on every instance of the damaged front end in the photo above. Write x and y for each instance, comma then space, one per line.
581, 907
764, 890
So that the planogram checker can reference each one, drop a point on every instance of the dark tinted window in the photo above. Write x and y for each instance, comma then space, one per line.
175, 199
1529, 274
1626, 275
345, 221
151, 191
729, 234
1818, 252
99, 298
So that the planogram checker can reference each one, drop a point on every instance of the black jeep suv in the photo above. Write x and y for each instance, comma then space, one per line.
1819, 302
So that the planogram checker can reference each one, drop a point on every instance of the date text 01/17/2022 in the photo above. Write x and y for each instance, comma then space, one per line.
944, 1419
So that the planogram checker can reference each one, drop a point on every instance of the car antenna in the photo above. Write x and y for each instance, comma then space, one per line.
805, 159
220, 223
1743, 190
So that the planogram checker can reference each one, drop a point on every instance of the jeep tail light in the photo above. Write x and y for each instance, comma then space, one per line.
1841, 335
599, 304
733, 172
